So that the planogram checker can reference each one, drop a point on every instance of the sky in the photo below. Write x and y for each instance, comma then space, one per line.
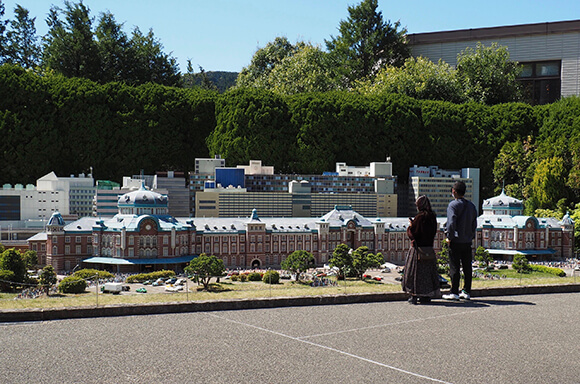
223, 35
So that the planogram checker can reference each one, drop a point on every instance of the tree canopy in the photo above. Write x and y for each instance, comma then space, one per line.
488, 75
205, 267
367, 42
419, 78
298, 262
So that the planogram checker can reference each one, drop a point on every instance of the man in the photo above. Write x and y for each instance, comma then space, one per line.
460, 231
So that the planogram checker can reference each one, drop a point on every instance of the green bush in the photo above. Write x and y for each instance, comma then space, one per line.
72, 284
243, 277
235, 277
521, 264
255, 276
553, 271
5, 277
271, 277
89, 274
141, 277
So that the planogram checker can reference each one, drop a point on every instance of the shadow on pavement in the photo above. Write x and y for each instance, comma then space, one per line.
477, 303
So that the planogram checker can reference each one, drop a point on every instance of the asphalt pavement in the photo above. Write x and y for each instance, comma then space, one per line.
506, 339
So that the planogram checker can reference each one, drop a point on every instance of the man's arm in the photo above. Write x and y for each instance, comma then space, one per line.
474, 223
451, 221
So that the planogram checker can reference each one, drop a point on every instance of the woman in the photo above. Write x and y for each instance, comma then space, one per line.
420, 278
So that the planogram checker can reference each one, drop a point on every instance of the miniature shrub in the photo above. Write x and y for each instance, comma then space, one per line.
255, 276
553, 271
243, 277
72, 284
89, 274
271, 277
5, 277
235, 277
141, 277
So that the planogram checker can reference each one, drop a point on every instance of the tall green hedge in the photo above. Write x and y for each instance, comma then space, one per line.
51, 123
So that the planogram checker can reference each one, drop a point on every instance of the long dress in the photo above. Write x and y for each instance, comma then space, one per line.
420, 277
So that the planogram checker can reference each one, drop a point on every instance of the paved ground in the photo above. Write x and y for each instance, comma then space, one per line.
512, 339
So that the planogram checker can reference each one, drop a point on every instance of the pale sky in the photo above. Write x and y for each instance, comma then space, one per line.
223, 35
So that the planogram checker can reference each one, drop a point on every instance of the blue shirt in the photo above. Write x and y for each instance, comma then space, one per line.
461, 221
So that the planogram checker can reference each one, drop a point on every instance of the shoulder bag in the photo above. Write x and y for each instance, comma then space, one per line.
426, 253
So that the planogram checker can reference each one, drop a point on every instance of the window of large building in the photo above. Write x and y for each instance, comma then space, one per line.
541, 81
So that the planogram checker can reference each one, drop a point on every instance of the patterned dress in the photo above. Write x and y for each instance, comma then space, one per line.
420, 277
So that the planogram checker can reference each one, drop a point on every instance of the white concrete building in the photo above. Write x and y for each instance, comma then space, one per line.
436, 184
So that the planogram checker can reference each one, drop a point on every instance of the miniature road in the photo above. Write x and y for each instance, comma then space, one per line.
513, 339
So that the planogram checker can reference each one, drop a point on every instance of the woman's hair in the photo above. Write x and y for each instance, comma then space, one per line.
423, 204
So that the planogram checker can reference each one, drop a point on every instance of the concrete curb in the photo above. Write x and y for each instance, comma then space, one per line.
39, 314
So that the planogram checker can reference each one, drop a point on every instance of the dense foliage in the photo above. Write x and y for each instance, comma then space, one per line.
366, 42
298, 262
92, 274
48, 278
205, 267
271, 277
551, 270
11, 260
52, 123
141, 277
72, 284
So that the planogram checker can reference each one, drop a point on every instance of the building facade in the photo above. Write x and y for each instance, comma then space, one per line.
505, 232
370, 190
436, 184
142, 237
549, 53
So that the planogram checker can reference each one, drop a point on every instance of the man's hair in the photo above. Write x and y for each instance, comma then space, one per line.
460, 188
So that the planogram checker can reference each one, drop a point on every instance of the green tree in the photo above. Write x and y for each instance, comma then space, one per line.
21, 40
3, 24
366, 42
443, 258
419, 78
484, 258
548, 185
113, 47
521, 264
48, 278
149, 63
6, 280
205, 267
11, 260
30, 259
363, 259
298, 262
69, 46
309, 69
488, 75
264, 61
511, 167
342, 258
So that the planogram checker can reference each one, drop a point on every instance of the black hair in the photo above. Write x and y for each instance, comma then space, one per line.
460, 188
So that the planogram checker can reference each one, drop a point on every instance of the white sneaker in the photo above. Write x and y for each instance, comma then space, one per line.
464, 295
451, 296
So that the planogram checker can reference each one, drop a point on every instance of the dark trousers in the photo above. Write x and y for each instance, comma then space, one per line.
460, 256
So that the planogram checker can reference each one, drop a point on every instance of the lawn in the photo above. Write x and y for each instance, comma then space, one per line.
248, 290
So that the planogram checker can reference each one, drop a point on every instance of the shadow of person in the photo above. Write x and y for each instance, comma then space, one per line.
478, 302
